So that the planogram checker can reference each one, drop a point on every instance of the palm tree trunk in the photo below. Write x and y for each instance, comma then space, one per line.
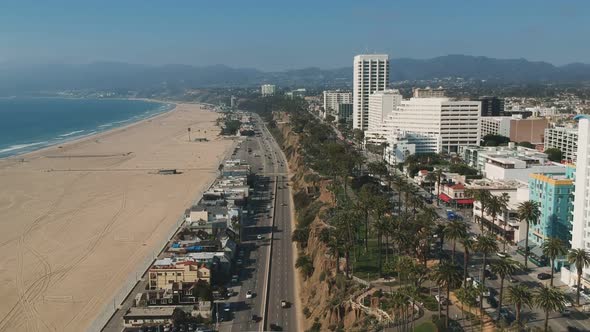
526, 246
552, 265
505, 239
483, 283
454, 249
501, 292
386, 248
578, 287
447, 306
379, 249
347, 258
518, 314
366, 231
546, 320
465, 259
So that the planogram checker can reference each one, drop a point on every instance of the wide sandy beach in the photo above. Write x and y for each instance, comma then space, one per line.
76, 220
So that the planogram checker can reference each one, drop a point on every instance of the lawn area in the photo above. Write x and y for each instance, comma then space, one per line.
366, 267
426, 327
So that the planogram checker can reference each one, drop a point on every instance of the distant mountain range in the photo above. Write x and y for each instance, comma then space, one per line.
113, 75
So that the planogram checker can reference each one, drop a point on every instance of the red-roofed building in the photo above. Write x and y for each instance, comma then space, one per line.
454, 194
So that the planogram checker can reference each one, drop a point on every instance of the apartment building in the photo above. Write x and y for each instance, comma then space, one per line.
581, 211
491, 106
497, 125
332, 101
553, 193
477, 156
370, 74
565, 139
162, 275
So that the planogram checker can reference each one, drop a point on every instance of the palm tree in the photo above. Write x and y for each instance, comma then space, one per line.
553, 247
400, 185
504, 267
549, 299
487, 245
581, 259
468, 246
447, 275
521, 296
483, 196
431, 178
365, 201
438, 174
468, 296
454, 231
529, 212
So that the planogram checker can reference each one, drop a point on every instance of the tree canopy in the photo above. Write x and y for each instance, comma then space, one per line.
554, 154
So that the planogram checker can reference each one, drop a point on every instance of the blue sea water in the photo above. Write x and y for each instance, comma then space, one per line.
28, 124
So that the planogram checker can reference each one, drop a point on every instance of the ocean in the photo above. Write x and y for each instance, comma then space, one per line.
29, 124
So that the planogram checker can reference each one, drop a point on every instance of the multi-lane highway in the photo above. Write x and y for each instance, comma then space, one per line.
268, 224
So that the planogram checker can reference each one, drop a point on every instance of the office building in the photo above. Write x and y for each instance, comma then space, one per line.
478, 156
267, 90
515, 127
565, 139
553, 193
491, 106
370, 74
436, 125
332, 101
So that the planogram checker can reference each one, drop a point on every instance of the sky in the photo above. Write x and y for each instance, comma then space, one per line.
280, 35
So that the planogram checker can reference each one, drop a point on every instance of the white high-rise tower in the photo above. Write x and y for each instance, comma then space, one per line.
371, 73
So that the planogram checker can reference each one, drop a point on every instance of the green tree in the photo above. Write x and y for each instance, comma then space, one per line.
552, 248
365, 202
521, 296
305, 264
550, 299
580, 258
455, 230
529, 212
486, 245
468, 246
503, 268
526, 144
554, 154
447, 275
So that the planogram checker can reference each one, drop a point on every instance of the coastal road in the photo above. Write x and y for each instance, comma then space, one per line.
271, 201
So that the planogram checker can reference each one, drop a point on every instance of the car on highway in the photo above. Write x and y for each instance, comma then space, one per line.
284, 304
255, 318
275, 327
259, 237
543, 276
249, 294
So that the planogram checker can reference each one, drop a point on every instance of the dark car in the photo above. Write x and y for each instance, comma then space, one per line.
275, 327
489, 275
506, 315
493, 302
543, 276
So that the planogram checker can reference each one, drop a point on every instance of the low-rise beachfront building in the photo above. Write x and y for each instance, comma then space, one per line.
554, 194
162, 274
453, 194
478, 156
146, 316
506, 224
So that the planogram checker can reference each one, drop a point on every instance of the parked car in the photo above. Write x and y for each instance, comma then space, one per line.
543, 276
259, 237
249, 294
275, 327
440, 299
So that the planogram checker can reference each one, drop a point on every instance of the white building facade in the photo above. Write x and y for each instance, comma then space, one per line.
332, 101
564, 139
436, 125
267, 89
495, 125
370, 74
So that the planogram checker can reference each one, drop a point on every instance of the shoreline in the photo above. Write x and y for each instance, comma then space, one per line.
99, 219
96, 132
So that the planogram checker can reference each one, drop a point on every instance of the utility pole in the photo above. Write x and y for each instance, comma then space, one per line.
189, 134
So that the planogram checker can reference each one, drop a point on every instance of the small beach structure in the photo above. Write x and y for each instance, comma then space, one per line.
169, 171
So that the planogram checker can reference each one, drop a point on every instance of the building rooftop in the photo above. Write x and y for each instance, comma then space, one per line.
154, 312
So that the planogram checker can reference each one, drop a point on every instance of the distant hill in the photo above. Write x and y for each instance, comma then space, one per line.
113, 75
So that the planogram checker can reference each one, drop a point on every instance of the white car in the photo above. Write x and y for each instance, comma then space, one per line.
440, 299
259, 237
249, 294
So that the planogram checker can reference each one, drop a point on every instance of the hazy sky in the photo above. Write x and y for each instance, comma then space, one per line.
276, 35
